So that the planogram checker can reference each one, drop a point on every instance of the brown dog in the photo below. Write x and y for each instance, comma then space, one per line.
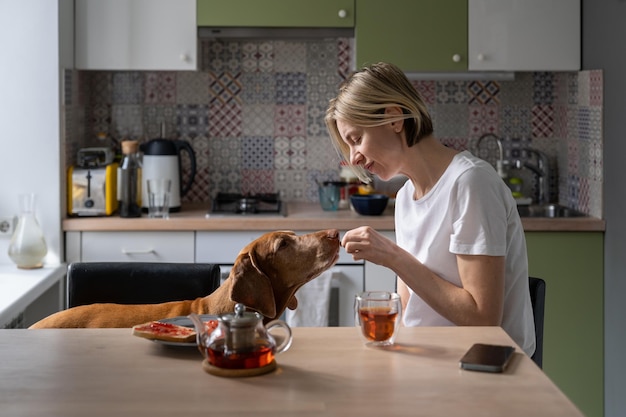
265, 277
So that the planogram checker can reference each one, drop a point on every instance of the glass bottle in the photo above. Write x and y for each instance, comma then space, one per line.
130, 180
28, 247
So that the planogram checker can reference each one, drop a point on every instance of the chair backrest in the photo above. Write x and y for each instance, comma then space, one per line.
139, 282
538, 300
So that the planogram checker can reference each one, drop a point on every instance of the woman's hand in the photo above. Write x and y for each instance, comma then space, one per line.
365, 243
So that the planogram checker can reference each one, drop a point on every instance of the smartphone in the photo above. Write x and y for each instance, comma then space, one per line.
487, 358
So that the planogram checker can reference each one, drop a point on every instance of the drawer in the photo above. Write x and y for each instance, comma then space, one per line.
137, 247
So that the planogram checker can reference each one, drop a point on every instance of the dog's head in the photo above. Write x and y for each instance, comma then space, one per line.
269, 270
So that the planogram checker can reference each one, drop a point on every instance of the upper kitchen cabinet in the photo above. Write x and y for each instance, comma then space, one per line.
136, 35
276, 13
419, 35
524, 35
474, 35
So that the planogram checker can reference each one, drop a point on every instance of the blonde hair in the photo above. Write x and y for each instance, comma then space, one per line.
362, 100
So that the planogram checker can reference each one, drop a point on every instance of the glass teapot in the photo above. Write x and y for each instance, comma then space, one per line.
241, 341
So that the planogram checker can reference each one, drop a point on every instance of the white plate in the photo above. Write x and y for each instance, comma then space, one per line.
182, 321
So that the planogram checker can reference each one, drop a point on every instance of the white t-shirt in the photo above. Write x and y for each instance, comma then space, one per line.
469, 211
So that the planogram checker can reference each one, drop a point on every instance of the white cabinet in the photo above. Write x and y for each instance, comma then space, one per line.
524, 35
130, 247
349, 280
136, 35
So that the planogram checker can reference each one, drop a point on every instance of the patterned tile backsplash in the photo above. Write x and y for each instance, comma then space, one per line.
254, 114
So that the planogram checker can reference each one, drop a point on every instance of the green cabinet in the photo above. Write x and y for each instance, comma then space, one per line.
420, 35
276, 13
571, 263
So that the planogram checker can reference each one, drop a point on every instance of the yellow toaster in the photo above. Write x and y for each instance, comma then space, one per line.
92, 191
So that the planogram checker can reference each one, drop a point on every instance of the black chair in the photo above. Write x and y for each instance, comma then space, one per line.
139, 282
538, 300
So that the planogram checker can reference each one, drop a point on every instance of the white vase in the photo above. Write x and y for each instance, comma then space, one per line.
28, 247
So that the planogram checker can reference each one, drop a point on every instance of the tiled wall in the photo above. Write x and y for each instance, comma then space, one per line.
254, 115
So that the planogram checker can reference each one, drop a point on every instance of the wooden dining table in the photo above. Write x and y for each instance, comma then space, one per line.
328, 371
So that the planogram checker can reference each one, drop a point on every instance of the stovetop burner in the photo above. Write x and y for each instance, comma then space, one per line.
247, 204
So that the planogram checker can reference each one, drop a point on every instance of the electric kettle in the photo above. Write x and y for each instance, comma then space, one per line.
162, 160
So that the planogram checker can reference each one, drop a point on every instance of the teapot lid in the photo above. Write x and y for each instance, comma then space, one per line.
240, 318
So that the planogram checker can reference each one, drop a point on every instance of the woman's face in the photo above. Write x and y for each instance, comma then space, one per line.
377, 149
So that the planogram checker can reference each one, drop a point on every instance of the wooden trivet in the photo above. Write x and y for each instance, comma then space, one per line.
236, 373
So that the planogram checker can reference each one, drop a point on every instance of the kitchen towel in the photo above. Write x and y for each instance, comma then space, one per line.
313, 303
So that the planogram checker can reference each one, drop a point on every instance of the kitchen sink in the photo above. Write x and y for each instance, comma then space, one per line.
548, 211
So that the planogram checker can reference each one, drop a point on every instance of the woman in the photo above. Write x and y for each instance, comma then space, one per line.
460, 255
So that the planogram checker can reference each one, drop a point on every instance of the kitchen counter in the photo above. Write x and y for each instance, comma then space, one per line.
300, 217
20, 287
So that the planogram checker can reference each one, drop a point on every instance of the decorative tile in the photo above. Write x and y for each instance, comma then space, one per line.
515, 121
100, 86
290, 121
258, 88
291, 184
127, 121
459, 144
160, 87
257, 120
452, 92
257, 153
426, 89
127, 88
291, 88
220, 56
257, 56
321, 154
315, 120
483, 92
224, 154
321, 56
290, 153
192, 87
224, 88
518, 92
192, 120
542, 121
227, 180
321, 86
289, 56
543, 88
482, 119
595, 88
255, 181
156, 116
225, 119
344, 57
451, 120
98, 118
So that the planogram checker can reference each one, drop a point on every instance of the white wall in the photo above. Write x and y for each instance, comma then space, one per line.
30, 145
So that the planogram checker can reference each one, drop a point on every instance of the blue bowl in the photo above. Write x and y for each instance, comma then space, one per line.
369, 204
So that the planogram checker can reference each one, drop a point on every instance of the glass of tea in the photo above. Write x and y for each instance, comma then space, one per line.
378, 315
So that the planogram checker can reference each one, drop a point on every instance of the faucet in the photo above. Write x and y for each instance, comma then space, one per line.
541, 171
500, 161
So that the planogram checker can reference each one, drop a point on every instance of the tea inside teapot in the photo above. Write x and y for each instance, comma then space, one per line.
241, 341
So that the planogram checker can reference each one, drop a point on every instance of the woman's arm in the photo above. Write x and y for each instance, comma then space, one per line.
478, 302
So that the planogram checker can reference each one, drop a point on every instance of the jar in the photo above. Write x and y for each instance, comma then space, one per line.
28, 247
351, 185
130, 180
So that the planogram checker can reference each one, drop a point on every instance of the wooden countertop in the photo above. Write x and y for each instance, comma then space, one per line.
328, 371
300, 217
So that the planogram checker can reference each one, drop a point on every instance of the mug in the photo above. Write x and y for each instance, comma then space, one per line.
378, 315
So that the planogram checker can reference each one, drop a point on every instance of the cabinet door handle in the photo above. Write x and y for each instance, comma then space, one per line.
456, 58
137, 252
342, 14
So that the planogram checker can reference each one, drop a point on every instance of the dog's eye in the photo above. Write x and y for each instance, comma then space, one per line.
281, 243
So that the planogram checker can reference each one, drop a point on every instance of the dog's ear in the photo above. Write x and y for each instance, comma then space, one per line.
252, 287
